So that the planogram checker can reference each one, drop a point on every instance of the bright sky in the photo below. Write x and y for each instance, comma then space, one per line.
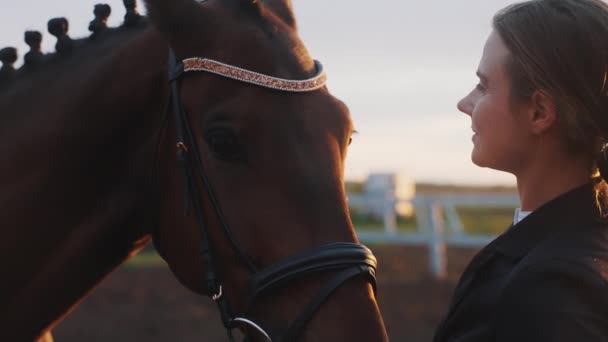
400, 66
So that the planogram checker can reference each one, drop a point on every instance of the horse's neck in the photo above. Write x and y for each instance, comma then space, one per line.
74, 161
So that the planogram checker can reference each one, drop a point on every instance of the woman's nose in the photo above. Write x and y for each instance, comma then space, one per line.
465, 105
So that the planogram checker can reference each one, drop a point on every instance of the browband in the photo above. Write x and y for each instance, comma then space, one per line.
247, 76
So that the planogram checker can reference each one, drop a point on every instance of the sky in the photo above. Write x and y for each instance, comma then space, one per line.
400, 66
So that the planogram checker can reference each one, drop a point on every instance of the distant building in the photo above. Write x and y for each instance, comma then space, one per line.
385, 191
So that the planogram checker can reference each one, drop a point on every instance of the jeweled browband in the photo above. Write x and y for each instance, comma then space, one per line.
243, 75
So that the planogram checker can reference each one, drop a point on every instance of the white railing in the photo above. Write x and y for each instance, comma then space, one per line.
438, 224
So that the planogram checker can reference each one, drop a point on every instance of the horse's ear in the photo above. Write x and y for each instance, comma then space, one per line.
174, 17
283, 9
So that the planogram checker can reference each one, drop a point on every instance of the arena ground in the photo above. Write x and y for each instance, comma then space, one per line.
148, 304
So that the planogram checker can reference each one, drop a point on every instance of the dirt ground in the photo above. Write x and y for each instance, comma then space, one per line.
148, 304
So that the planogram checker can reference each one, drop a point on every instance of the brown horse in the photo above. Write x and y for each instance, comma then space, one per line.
235, 172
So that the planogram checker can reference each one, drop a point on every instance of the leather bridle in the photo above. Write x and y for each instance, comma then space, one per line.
348, 259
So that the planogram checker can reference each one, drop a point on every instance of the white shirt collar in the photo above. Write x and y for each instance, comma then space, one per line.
519, 215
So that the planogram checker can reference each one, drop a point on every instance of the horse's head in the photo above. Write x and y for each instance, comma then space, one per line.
264, 166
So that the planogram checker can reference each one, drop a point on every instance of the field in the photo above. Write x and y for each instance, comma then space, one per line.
142, 301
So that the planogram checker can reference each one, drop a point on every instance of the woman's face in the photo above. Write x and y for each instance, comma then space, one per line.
500, 136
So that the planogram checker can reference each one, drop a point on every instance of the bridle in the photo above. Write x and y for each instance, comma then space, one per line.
346, 258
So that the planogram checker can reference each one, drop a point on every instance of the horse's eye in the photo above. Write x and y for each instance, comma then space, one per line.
350, 139
224, 144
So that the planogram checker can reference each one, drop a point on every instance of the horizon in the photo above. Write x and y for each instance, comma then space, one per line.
399, 70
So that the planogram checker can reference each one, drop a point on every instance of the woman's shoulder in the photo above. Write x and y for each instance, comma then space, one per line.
553, 297
564, 271
580, 254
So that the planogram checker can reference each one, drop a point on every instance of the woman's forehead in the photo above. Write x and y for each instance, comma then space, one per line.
494, 58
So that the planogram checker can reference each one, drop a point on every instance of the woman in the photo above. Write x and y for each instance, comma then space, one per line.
540, 112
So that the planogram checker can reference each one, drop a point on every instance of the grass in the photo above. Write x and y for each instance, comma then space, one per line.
370, 223
475, 220
485, 220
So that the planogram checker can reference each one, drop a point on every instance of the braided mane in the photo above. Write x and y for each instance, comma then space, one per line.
66, 48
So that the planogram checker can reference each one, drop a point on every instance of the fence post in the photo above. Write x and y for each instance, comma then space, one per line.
390, 215
437, 248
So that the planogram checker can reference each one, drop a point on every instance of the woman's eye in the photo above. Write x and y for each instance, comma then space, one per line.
350, 141
479, 87
224, 144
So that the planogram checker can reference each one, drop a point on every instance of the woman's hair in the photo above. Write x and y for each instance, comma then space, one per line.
561, 48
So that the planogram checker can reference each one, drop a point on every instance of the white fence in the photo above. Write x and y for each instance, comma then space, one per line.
432, 229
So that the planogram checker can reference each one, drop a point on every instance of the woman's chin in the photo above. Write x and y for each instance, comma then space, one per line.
476, 158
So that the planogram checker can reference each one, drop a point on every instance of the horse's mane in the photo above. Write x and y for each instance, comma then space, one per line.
69, 52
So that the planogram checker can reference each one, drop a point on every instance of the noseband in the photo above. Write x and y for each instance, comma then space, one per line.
347, 259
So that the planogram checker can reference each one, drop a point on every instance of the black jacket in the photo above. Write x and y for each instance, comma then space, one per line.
544, 279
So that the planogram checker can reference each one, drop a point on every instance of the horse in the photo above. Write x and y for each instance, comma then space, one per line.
205, 127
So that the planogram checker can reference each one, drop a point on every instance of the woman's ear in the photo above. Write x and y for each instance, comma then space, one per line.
542, 114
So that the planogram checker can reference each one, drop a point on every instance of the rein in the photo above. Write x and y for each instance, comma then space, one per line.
348, 259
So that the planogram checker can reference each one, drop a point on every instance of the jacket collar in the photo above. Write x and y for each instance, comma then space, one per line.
573, 210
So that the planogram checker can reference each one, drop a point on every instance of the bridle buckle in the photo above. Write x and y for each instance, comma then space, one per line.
218, 295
